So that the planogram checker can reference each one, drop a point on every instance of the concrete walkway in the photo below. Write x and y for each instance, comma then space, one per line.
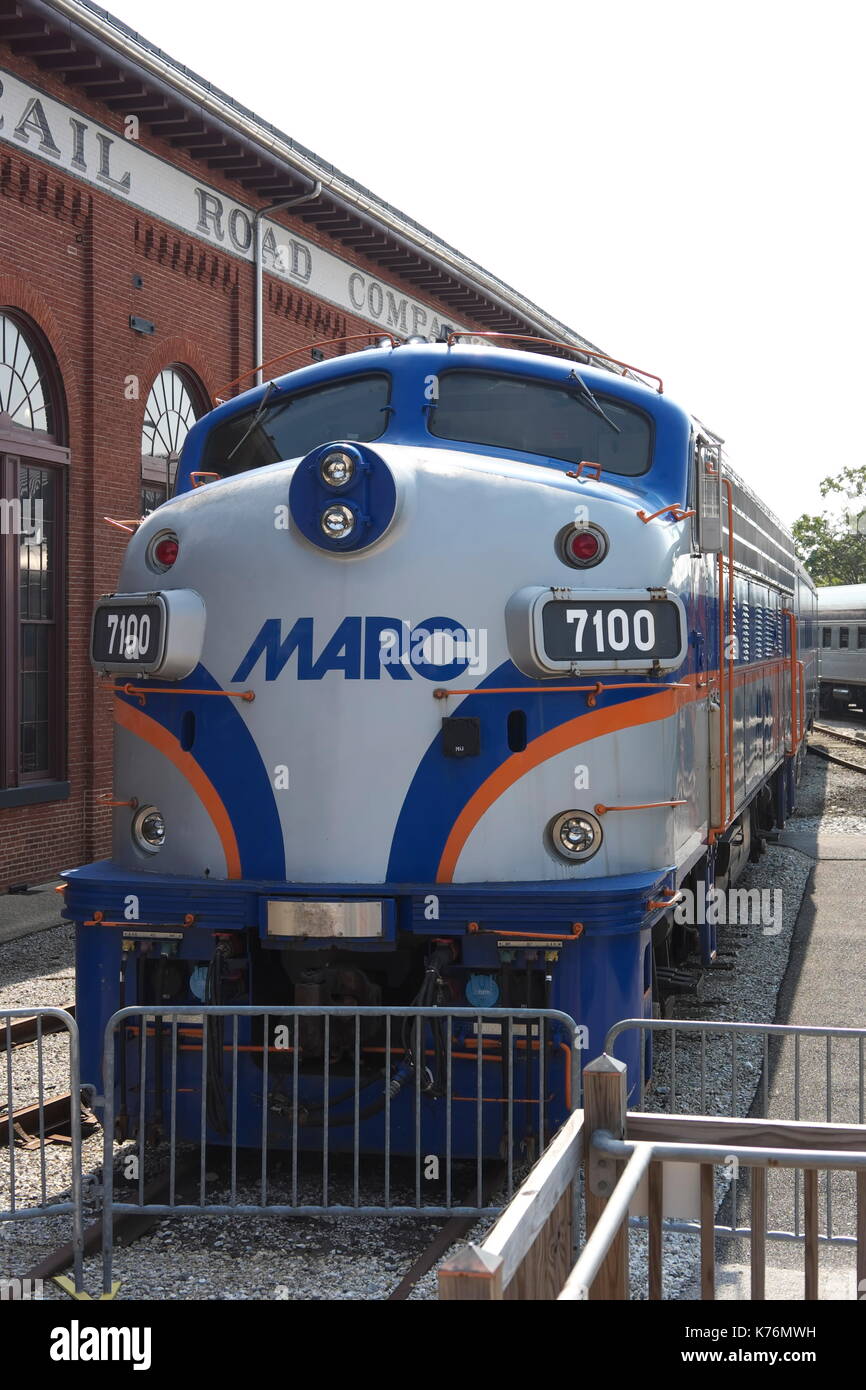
36, 910
824, 984
824, 846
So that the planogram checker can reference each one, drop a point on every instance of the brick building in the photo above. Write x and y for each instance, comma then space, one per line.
129, 241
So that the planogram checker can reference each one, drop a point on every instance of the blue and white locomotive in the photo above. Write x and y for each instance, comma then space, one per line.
446, 668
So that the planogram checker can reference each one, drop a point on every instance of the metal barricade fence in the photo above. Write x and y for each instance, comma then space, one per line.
36, 1115
703, 1067
396, 1121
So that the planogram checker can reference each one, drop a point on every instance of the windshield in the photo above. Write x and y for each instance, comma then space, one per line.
290, 426
559, 422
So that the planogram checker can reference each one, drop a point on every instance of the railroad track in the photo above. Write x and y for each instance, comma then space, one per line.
454, 1229
50, 1121
834, 758
840, 734
20, 1031
130, 1227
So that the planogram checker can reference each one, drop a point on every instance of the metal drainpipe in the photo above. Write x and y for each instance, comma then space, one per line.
259, 291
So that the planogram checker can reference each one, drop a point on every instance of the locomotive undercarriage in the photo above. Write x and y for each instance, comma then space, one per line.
309, 1072
416, 972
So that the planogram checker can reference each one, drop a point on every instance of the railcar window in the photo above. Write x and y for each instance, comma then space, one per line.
826, 637
290, 426
843, 637
861, 637
508, 412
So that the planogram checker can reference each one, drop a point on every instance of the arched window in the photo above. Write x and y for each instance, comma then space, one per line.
24, 398
33, 463
174, 403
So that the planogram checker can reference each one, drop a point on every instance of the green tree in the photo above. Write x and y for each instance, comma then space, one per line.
831, 551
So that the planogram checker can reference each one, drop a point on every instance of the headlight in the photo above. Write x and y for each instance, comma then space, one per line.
148, 830
337, 468
575, 835
337, 522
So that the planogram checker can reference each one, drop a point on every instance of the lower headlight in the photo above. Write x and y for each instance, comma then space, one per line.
337, 522
148, 830
575, 835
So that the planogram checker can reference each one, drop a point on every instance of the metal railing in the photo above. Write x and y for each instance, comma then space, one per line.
821, 1073
354, 1108
31, 1122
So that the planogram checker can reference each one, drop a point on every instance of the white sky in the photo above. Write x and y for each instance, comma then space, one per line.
680, 182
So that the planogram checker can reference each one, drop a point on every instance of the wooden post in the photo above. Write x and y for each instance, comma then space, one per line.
604, 1102
655, 1178
810, 1204
861, 1232
708, 1232
471, 1274
759, 1234
533, 1235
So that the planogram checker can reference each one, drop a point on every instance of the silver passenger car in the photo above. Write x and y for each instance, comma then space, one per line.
842, 646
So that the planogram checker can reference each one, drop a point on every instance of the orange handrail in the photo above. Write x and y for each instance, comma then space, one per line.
727, 792
796, 668
100, 920
585, 463
141, 691
665, 902
198, 476
602, 810
130, 525
554, 342
440, 693
474, 929
728, 486
308, 347
104, 799
677, 512
723, 758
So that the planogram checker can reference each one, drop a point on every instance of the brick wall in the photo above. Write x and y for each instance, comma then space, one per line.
68, 255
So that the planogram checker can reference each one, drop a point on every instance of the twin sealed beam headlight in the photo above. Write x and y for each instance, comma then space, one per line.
337, 468
575, 835
337, 522
148, 829
342, 497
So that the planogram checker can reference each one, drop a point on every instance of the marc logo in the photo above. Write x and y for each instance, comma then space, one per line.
439, 649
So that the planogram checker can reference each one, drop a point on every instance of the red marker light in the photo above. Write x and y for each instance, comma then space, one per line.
584, 546
165, 552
